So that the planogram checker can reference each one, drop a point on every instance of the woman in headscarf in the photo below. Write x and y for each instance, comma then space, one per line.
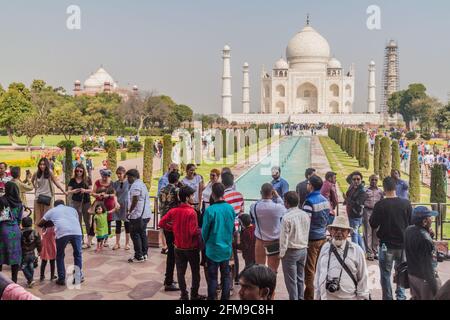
11, 209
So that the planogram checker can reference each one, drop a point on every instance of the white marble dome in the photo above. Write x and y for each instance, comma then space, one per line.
99, 78
334, 64
308, 46
92, 82
281, 65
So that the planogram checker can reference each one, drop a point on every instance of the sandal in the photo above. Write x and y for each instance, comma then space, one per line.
127, 247
116, 247
86, 246
164, 250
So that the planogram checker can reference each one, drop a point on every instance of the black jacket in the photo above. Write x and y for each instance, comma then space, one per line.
355, 201
391, 216
420, 251
302, 191
30, 241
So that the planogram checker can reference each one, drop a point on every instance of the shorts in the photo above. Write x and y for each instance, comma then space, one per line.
102, 238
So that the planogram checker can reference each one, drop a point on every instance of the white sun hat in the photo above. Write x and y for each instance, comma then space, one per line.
341, 222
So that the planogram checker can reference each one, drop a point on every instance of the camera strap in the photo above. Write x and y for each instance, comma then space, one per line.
342, 262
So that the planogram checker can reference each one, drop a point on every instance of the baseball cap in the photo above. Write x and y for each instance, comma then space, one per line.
422, 212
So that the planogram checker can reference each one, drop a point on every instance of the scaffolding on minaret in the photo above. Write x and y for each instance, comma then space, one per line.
391, 77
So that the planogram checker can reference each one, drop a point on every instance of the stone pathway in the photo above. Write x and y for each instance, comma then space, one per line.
110, 277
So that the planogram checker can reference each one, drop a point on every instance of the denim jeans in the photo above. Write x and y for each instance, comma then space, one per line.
386, 261
28, 266
355, 224
61, 245
293, 264
138, 234
225, 276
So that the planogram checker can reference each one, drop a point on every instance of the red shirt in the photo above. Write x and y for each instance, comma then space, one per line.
248, 243
182, 221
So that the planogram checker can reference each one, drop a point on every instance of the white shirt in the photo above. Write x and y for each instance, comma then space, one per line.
267, 218
355, 261
294, 230
194, 184
139, 189
65, 220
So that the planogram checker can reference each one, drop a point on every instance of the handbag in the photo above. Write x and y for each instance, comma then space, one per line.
272, 249
45, 200
5, 215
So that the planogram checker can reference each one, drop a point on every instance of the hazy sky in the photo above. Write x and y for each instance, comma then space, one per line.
174, 46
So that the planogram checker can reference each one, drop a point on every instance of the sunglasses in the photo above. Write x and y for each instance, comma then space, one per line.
79, 170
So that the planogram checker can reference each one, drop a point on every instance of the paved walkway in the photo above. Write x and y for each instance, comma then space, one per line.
110, 277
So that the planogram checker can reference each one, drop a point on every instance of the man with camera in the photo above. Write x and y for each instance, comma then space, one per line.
341, 272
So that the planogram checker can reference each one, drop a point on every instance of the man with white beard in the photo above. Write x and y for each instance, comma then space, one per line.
341, 272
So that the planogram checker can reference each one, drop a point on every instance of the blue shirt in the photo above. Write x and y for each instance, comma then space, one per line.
318, 208
65, 220
402, 189
163, 182
218, 230
281, 186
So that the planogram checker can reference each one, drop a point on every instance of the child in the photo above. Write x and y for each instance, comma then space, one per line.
100, 226
48, 252
247, 240
30, 242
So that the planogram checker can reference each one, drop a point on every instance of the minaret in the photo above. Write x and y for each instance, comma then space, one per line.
371, 102
226, 79
246, 90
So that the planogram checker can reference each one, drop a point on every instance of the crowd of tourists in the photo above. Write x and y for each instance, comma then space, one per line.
204, 225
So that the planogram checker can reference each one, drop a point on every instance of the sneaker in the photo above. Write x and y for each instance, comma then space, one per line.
146, 257
31, 284
198, 297
171, 288
53, 278
135, 260
184, 297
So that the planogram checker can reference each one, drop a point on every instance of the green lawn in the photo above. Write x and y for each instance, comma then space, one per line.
344, 165
50, 140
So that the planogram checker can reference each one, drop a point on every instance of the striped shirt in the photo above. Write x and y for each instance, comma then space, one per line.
236, 200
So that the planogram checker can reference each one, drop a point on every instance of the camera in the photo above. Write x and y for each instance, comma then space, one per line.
333, 285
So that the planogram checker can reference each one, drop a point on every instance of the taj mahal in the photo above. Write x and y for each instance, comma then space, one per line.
311, 86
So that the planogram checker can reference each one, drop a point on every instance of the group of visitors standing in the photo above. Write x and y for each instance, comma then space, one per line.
125, 201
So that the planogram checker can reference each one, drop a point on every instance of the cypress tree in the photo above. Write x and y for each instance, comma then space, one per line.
111, 148
362, 149
148, 163
414, 175
366, 156
354, 143
358, 145
385, 158
67, 146
167, 152
376, 155
395, 155
342, 138
438, 185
